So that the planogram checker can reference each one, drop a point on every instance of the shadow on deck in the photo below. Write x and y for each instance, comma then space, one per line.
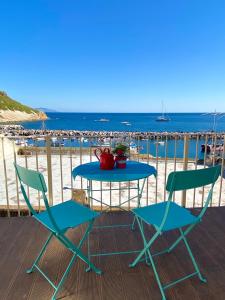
21, 239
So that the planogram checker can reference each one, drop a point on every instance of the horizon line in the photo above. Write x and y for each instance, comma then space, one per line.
104, 112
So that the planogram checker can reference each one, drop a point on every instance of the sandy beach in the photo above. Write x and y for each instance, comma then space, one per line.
61, 173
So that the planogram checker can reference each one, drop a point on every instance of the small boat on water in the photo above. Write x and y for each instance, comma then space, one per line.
212, 148
102, 120
84, 140
104, 142
162, 118
56, 143
126, 123
41, 139
160, 143
133, 147
22, 143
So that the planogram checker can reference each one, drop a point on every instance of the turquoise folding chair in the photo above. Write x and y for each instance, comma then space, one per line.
168, 215
57, 219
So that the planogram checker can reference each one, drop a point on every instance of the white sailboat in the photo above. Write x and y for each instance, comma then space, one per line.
163, 117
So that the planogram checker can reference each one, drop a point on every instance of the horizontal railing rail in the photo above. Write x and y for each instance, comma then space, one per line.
57, 153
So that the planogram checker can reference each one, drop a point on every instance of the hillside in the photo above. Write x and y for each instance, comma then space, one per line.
14, 111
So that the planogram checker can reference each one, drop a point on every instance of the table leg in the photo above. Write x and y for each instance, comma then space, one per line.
138, 204
88, 237
88, 192
139, 195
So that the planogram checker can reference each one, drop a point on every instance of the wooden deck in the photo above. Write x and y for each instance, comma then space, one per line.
22, 237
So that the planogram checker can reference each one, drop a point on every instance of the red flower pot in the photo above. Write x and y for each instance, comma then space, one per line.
121, 161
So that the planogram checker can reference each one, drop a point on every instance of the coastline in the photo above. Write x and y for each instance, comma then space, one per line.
9, 116
12, 130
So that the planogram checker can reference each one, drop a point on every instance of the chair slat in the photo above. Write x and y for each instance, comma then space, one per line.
184, 180
31, 178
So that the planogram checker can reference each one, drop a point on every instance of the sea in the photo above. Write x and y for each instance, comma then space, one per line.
138, 122
179, 122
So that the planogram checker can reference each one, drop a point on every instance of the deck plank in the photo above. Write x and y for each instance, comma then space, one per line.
20, 286
13, 249
21, 239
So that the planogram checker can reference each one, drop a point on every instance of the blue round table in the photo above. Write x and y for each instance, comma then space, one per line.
135, 171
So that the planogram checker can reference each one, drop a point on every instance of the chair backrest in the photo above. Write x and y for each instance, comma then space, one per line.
34, 180
191, 179
31, 178
184, 180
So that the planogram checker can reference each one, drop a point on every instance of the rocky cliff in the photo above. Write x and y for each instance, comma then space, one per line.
14, 111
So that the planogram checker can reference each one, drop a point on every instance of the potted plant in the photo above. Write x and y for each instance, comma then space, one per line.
121, 153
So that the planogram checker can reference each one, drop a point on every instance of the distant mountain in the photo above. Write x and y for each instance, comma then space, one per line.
14, 111
45, 109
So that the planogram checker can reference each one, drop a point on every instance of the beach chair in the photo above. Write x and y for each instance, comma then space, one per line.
168, 215
57, 219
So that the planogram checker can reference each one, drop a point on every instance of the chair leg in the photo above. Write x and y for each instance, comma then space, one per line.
192, 257
175, 244
147, 252
76, 253
64, 276
40, 254
76, 250
88, 262
156, 275
72, 261
182, 237
90, 265
146, 245
88, 269
133, 224
144, 241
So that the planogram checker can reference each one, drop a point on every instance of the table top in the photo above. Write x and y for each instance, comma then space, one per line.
134, 171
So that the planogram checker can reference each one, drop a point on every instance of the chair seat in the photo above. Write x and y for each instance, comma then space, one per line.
68, 214
177, 216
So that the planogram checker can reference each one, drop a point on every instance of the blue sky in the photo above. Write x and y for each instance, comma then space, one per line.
114, 55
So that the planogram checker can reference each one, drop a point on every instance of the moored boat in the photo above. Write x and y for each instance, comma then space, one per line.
163, 117
212, 148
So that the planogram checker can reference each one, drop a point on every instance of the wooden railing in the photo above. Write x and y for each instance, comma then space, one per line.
167, 152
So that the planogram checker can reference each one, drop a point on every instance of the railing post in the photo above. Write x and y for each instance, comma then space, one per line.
49, 169
5, 173
185, 164
222, 172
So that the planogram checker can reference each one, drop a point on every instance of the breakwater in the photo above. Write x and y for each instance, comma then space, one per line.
12, 131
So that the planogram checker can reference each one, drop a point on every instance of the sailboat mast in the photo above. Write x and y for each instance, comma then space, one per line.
162, 109
162, 117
